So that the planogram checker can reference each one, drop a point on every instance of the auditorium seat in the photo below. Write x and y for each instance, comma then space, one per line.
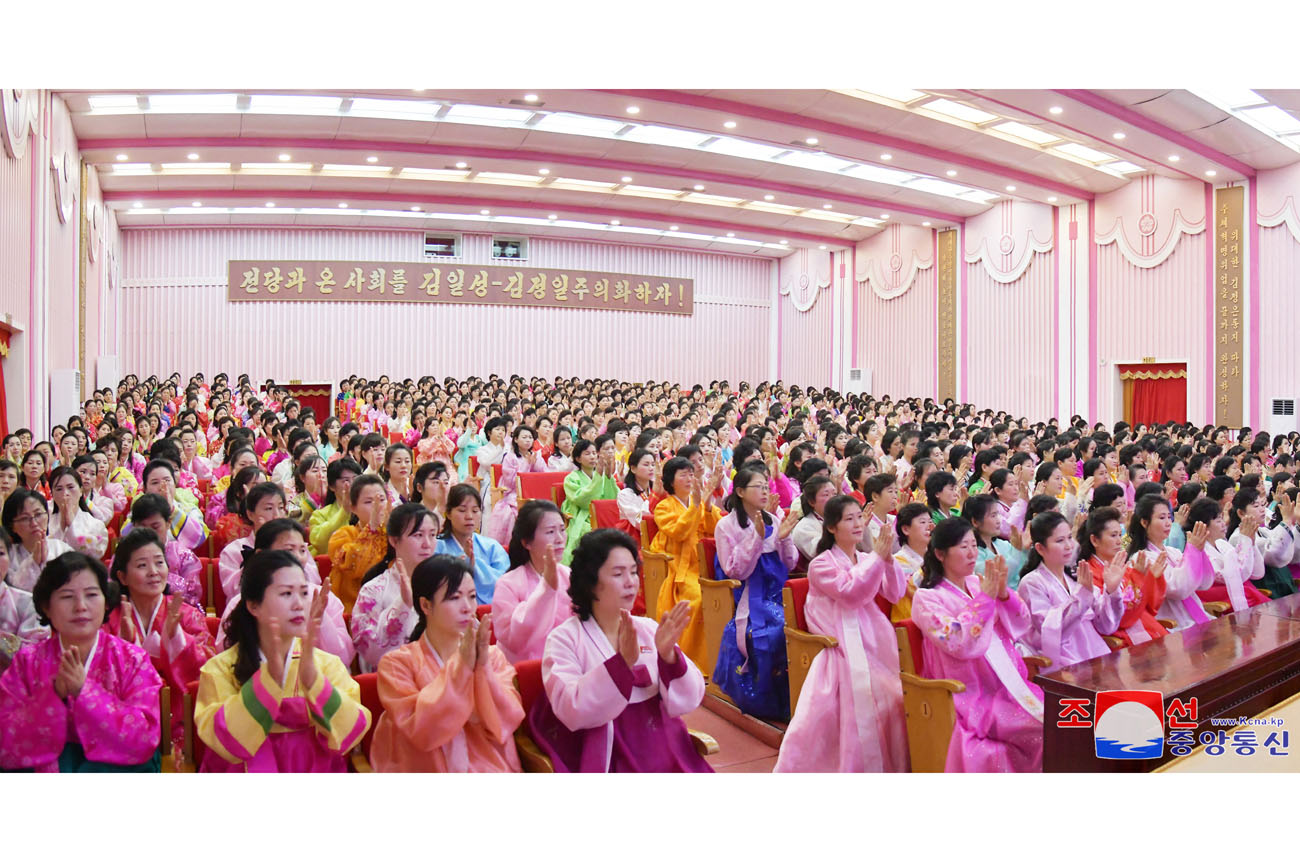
801, 646
717, 605
481, 611
214, 623
369, 686
927, 703
538, 485
194, 746
654, 568
324, 565
604, 514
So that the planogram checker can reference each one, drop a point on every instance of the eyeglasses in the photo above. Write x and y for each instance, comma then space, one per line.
41, 517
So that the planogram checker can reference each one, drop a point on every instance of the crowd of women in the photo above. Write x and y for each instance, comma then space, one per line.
995, 537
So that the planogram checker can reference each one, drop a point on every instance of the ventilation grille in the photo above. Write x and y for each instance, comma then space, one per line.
1284, 407
855, 374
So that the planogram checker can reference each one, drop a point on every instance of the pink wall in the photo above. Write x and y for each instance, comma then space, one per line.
806, 318
62, 252
1011, 328
1280, 301
895, 285
174, 302
1151, 286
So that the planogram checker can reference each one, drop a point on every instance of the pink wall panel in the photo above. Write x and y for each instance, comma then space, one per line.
62, 251
174, 307
1279, 289
896, 338
805, 343
1011, 327
16, 233
1152, 312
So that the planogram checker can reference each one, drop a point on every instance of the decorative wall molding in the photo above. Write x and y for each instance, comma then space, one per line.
1005, 237
1147, 217
63, 161
804, 274
1277, 199
19, 117
890, 261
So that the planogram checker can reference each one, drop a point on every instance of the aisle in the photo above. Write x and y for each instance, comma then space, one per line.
738, 751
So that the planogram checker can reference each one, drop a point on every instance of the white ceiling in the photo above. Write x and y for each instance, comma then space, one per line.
900, 161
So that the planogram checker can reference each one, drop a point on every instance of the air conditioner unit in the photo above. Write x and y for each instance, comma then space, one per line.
1282, 418
65, 395
442, 246
857, 381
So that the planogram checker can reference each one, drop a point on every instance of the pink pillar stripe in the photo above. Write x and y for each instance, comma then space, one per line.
1141, 121
853, 287
1211, 359
962, 268
90, 147
1092, 313
1056, 312
1257, 413
828, 127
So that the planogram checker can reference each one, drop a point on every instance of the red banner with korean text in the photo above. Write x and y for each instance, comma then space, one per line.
440, 283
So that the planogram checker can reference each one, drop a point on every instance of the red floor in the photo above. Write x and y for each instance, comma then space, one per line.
738, 751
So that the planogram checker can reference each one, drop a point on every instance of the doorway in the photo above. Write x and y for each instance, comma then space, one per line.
1154, 393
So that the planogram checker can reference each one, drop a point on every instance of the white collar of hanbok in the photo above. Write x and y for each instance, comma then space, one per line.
288, 656
456, 752
90, 658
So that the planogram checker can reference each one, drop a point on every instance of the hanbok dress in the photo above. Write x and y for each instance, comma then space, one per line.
680, 528
525, 610
1066, 625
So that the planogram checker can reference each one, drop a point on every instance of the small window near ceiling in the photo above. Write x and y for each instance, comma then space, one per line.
510, 248
442, 246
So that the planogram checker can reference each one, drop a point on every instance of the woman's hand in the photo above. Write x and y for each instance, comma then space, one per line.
403, 583
276, 652
1286, 505
550, 573
126, 622
173, 621
670, 630
791, 520
1114, 572
71, 675
468, 646
1249, 526
993, 582
629, 647
1199, 535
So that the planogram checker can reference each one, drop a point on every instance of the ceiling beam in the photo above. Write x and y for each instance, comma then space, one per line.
1155, 127
522, 208
620, 167
830, 127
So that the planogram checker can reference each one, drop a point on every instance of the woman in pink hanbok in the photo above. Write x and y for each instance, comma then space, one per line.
533, 597
384, 614
184, 575
1068, 615
450, 704
971, 623
519, 458
82, 701
436, 445
850, 715
616, 685
19, 624
1186, 570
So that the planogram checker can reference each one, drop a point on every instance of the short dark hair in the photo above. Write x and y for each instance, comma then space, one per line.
57, 572
584, 569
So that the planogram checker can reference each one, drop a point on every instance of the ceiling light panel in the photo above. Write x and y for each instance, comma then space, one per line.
1028, 133
1086, 153
958, 110
289, 104
666, 136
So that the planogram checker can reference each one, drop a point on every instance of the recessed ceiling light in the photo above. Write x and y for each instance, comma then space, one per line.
615, 222
530, 97
551, 216
343, 204
485, 211
731, 234
884, 216
952, 172
821, 246
372, 159
730, 124
1056, 109
284, 157
1210, 172
926, 224
886, 156
1051, 198
462, 165
192, 156
122, 157
810, 141
632, 109
769, 197
625, 179
699, 187
1011, 189
672, 228
270, 204
1119, 136
783, 241
138, 204
1173, 157
196, 204
543, 171
826, 207
415, 207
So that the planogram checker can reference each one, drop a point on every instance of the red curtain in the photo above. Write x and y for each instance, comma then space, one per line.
1159, 392
314, 396
4, 405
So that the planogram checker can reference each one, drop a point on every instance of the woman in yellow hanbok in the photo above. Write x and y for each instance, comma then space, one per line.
683, 518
